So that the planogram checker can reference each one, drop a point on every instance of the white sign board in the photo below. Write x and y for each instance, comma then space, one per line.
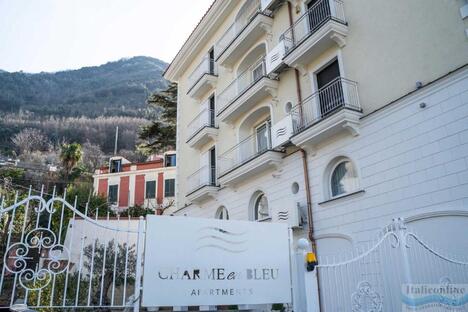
193, 262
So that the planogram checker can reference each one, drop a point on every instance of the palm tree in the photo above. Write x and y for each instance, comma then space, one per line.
70, 156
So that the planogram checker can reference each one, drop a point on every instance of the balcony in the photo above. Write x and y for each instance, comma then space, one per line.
250, 87
250, 25
250, 157
333, 109
321, 27
202, 184
270, 5
203, 78
202, 129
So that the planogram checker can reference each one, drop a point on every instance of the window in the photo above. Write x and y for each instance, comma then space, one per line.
213, 166
212, 61
257, 72
330, 89
261, 211
169, 188
113, 194
263, 137
150, 190
170, 160
212, 111
116, 166
343, 179
222, 213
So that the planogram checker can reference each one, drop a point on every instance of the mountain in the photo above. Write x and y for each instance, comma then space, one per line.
114, 89
84, 105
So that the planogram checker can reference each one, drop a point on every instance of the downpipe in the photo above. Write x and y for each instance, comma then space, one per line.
305, 166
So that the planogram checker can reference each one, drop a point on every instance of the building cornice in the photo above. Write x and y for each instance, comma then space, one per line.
204, 30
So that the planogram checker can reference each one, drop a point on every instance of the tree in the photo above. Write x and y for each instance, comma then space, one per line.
70, 156
29, 140
120, 275
161, 134
92, 156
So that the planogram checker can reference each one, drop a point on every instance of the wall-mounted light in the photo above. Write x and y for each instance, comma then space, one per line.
311, 260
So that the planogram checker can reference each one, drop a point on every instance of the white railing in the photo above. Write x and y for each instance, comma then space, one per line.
243, 81
244, 151
205, 176
249, 11
312, 20
206, 66
206, 118
339, 93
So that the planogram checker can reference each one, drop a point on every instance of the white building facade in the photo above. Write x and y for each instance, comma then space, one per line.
334, 116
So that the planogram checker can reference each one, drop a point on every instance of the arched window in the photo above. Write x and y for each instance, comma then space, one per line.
343, 178
261, 211
222, 213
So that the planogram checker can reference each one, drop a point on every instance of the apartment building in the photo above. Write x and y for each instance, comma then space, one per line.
335, 116
149, 184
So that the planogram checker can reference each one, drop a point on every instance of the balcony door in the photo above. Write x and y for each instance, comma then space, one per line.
212, 111
257, 72
212, 166
211, 57
330, 89
318, 12
262, 136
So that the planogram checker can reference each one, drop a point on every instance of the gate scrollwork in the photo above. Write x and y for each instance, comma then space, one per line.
39, 242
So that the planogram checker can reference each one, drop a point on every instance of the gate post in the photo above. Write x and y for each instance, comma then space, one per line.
401, 232
307, 281
139, 264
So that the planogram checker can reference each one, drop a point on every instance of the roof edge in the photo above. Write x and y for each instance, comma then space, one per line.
208, 23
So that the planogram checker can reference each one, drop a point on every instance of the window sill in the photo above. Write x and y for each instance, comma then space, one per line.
342, 197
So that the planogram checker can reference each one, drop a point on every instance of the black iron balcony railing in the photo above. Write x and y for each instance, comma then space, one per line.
312, 20
338, 94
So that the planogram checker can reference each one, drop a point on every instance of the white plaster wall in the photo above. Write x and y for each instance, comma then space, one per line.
410, 160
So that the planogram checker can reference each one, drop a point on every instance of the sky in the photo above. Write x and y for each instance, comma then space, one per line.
53, 35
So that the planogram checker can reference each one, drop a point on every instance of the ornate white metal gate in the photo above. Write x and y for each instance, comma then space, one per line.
58, 255
371, 280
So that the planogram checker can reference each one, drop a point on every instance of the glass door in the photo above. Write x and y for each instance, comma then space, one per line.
262, 136
318, 11
330, 89
213, 166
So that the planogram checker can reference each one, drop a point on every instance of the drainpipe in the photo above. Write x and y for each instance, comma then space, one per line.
305, 167
303, 152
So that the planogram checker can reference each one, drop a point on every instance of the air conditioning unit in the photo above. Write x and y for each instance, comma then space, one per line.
289, 214
274, 59
281, 132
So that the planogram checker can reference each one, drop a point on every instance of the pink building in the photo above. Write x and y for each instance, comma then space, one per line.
148, 184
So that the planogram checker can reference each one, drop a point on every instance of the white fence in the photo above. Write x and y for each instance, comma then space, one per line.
57, 255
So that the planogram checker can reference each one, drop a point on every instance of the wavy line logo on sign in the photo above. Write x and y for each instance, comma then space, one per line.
218, 239
435, 297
